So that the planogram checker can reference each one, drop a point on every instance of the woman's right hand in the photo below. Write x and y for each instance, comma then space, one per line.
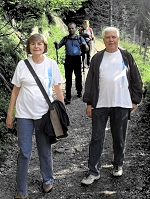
9, 121
10, 118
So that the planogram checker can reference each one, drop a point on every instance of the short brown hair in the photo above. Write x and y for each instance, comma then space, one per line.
36, 37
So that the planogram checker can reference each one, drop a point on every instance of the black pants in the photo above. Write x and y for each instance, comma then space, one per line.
118, 124
89, 52
73, 63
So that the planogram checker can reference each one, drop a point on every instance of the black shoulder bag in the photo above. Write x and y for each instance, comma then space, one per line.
53, 113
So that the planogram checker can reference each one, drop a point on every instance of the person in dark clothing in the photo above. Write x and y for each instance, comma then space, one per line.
113, 88
72, 60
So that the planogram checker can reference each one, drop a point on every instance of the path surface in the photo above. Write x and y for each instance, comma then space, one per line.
70, 158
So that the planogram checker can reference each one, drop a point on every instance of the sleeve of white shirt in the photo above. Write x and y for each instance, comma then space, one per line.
57, 77
16, 77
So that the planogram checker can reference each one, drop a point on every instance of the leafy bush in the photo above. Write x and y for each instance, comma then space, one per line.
144, 67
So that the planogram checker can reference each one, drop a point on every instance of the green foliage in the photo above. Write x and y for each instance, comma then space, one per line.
64, 5
144, 68
10, 54
6, 135
54, 37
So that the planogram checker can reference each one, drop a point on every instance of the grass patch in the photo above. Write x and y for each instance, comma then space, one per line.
144, 67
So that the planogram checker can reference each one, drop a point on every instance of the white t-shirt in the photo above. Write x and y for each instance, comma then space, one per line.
88, 31
30, 102
113, 83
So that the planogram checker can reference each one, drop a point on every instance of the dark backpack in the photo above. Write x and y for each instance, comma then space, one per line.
82, 47
85, 35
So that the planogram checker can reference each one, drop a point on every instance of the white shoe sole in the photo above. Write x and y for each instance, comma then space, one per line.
117, 174
85, 182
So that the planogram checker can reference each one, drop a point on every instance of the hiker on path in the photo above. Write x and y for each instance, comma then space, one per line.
30, 106
72, 60
113, 88
87, 33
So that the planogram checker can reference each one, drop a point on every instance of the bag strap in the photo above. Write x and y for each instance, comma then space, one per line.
39, 84
78, 38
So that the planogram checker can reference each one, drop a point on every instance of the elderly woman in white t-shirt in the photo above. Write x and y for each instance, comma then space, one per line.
30, 106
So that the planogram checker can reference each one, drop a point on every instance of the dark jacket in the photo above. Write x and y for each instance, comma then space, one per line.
91, 93
46, 125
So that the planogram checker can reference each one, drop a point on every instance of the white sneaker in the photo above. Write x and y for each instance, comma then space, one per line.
117, 171
89, 179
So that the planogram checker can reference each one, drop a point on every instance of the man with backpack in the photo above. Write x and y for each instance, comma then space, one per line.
73, 43
87, 33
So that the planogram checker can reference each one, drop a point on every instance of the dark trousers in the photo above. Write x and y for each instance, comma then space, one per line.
73, 63
118, 125
89, 52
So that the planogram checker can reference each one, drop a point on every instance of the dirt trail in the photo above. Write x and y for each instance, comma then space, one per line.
70, 158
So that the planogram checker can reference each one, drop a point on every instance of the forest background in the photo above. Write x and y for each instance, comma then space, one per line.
18, 18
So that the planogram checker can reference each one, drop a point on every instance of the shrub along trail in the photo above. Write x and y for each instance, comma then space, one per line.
70, 157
